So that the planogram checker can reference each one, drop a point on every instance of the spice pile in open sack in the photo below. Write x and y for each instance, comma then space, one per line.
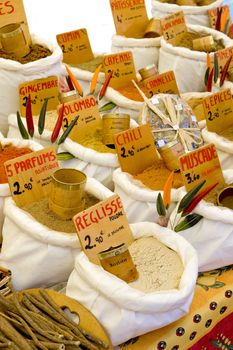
9, 152
155, 265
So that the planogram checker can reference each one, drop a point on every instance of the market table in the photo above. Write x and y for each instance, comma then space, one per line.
209, 324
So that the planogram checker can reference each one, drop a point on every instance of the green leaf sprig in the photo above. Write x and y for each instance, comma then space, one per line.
187, 219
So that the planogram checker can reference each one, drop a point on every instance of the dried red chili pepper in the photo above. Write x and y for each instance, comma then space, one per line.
29, 117
105, 85
58, 125
198, 198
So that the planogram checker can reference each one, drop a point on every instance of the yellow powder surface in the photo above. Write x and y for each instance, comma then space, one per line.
156, 175
91, 65
188, 37
94, 141
197, 108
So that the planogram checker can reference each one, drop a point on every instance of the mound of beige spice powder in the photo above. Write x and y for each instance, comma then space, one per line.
159, 267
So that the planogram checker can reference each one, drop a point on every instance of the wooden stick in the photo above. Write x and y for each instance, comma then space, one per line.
9, 331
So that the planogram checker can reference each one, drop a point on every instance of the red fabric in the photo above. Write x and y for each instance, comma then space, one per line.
223, 328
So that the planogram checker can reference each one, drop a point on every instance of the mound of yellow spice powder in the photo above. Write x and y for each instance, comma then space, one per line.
94, 141
44, 215
156, 175
188, 37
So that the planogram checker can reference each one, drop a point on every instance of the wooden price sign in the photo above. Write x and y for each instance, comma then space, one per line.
75, 46
102, 226
174, 27
130, 17
201, 164
136, 149
29, 176
13, 12
223, 56
163, 83
39, 89
122, 65
213, 15
88, 117
218, 109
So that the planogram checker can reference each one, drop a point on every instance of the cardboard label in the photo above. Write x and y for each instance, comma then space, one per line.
223, 56
213, 15
75, 46
163, 83
122, 65
201, 164
29, 176
136, 149
13, 11
130, 17
89, 117
39, 89
102, 226
218, 109
174, 27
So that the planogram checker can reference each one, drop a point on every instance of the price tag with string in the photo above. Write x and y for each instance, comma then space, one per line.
201, 164
218, 109
222, 58
29, 176
89, 118
136, 149
122, 66
75, 46
102, 226
39, 90
163, 83
130, 17
174, 27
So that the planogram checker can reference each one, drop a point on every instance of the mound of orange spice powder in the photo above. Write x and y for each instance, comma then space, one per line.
156, 175
9, 152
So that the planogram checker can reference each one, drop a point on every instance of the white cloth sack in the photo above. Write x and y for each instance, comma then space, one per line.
139, 202
13, 131
92, 163
189, 66
4, 188
13, 73
37, 255
126, 312
193, 14
212, 236
145, 50
226, 85
224, 147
